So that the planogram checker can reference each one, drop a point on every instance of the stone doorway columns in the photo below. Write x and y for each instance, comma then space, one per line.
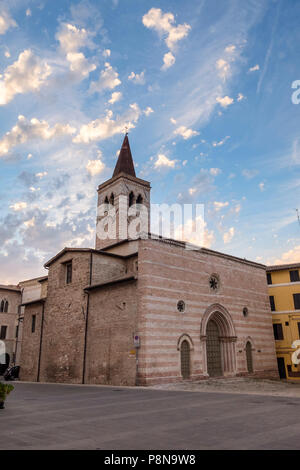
227, 338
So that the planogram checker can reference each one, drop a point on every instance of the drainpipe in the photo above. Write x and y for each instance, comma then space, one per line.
86, 322
41, 342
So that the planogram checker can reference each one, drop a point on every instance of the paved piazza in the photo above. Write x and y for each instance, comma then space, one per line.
56, 416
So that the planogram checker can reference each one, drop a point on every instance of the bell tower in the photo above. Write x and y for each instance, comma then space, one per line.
122, 199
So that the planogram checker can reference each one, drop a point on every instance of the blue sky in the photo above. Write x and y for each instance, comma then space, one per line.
205, 90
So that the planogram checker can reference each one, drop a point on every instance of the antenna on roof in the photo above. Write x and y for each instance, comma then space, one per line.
298, 216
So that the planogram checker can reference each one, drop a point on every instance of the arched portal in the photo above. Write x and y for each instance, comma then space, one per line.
249, 357
218, 339
213, 350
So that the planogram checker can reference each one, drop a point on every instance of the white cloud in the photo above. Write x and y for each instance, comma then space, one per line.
41, 174
106, 127
106, 53
221, 142
253, 69
6, 21
28, 12
28, 73
195, 232
223, 67
108, 80
225, 101
249, 174
137, 78
230, 49
163, 23
7, 54
169, 60
19, 206
148, 111
185, 132
26, 130
220, 205
115, 96
290, 256
237, 209
30, 222
215, 171
173, 121
240, 97
228, 236
79, 64
261, 186
71, 39
163, 161
94, 167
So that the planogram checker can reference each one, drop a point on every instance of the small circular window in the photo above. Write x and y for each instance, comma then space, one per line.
245, 312
214, 282
181, 306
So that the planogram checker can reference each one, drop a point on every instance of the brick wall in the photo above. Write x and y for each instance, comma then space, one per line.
31, 343
111, 326
168, 273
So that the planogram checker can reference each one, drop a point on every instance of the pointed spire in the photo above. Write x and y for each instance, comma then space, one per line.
125, 162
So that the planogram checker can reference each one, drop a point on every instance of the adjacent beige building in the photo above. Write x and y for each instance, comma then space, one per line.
12, 315
10, 300
147, 310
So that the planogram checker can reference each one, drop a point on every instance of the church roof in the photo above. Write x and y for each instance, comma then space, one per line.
281, 267
125, 162
85, 250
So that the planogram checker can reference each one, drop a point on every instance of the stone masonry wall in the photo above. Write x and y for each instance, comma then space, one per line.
168, 273
111, 326
31, 343
64, 329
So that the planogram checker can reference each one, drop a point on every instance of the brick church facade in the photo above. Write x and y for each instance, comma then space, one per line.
146, 311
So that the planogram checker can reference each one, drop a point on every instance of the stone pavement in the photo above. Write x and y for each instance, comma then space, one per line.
243, 385
58, 416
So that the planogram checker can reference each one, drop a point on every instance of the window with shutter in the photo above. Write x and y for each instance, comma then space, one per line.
296, 301
3, 332
294, 276
69, 272
33, 321
278, 332
272, 303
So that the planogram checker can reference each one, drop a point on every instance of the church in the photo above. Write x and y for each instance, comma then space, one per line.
146, 310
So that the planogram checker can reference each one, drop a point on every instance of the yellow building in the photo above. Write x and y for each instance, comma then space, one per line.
284, 292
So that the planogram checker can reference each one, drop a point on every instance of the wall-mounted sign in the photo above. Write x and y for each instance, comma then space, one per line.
136, 341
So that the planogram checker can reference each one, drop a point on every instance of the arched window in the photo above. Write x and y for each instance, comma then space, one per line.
131, 199
139, 199
249, 357
6, 306
185, 359
112, 199
2, 306
106, 204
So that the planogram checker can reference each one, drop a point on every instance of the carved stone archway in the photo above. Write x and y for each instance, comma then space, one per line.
227, 337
